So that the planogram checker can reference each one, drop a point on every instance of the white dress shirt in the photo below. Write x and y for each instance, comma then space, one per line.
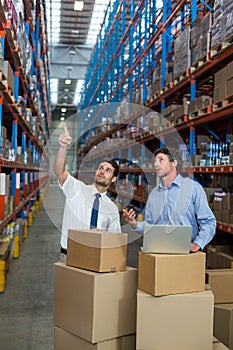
78, 207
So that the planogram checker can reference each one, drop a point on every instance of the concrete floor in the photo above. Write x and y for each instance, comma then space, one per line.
26, 306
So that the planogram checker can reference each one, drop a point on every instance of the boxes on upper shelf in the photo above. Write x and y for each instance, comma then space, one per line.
97, 250
95, 306
182, 56
163, 274
9, 75
219, 256
221, 283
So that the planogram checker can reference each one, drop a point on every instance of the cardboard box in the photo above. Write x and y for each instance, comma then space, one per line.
162, 274
227, 202
9, 75
196, 159
97, 250
223, 324
216, 256
217, 205
226, 216
221, 283
177, 322
95, 306
219, 346
229, 87
67, 341
217, 213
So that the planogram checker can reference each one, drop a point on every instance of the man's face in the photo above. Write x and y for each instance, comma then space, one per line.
163, 166
104, 174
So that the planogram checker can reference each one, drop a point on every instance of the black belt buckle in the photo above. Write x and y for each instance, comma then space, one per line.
63, 251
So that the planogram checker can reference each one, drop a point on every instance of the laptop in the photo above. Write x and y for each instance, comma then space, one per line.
167, 239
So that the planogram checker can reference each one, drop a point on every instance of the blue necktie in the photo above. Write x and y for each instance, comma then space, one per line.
94, 213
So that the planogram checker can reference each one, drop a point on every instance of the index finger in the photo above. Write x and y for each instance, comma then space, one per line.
65, 129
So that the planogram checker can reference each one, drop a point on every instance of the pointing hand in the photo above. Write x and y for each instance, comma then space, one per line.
65, 139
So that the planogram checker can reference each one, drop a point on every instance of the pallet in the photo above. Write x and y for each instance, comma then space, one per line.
200, 63
223, 103
201, 112
181, 120
222, 46
178, 79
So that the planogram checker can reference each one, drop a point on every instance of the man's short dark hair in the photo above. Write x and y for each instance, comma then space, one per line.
172, 153
164, 150
114, 165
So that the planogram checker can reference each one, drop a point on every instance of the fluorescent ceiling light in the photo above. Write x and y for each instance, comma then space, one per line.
62, 119
78, 5
63, 110
67, 81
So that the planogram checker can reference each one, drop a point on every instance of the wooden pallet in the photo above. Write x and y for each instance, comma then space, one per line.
201, 112
178, 79
181, 120
199, 64
223, 103
222, 46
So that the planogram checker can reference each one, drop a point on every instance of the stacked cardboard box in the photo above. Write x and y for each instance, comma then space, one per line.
8, 75
222, 21
221, 282
217, 345
93, 309
219, 256
223, 83
200, 38
199, 103
182, 53
174, 311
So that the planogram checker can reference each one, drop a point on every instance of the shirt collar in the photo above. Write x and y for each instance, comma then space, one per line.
177, 181
94, 191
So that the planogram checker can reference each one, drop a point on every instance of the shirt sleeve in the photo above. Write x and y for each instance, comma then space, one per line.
205, 218
70, 187
114, 223
148, 218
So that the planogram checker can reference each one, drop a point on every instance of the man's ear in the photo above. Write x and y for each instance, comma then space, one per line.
114, 179
175, 163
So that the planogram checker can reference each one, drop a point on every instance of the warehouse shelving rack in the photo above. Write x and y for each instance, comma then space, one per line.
28, 178
134, 40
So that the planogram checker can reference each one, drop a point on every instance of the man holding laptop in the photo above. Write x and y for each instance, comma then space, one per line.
176, 201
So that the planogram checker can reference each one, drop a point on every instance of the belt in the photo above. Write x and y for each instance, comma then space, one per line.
63, 251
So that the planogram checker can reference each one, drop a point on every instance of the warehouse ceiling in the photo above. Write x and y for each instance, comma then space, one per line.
72, 28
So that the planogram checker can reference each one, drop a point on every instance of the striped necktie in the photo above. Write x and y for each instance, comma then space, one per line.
94, 213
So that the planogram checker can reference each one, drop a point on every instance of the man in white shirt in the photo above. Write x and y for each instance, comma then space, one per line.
80, 197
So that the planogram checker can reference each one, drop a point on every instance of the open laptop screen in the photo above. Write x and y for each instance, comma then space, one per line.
167, 239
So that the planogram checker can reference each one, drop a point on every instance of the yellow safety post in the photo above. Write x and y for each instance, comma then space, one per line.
16, 246
2, 275
25, 232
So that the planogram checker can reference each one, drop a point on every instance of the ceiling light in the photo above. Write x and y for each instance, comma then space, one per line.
78, 5
63, 110
62, 119
67, 81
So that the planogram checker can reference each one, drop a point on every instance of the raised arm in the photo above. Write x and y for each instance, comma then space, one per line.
60, 161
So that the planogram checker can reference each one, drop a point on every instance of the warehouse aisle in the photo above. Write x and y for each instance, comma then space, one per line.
26, 306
